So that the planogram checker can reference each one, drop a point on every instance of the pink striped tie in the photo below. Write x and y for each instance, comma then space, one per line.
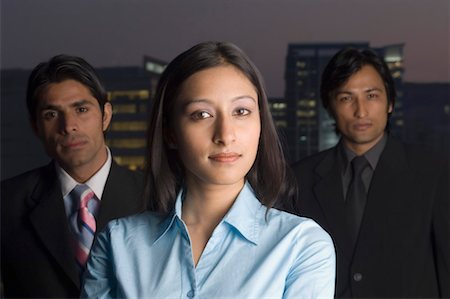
85, 229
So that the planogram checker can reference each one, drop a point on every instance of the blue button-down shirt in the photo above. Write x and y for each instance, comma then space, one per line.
250, 254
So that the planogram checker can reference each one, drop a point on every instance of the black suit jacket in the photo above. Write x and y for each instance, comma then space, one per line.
403, 246
36, 259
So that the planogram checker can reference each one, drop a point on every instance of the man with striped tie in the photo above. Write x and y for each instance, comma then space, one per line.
50, 215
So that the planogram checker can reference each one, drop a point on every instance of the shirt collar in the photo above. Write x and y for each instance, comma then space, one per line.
246, 215
372, 155
96, 182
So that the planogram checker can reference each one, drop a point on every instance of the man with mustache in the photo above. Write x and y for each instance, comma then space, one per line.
384, 203
46, 230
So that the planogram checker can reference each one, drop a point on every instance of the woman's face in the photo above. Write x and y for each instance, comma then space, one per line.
216, 126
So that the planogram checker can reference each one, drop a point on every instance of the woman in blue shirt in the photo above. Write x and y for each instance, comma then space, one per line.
215, 169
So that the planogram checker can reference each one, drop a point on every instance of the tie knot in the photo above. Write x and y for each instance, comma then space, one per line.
359, 163
83, 194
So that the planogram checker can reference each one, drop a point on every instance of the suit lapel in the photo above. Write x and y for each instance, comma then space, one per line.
328, 191
50, 222
387, 186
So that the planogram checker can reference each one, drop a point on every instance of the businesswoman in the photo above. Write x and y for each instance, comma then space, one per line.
215, 169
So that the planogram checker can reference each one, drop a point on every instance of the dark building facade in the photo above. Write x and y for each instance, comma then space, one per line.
131, 91
309, 128
427, 115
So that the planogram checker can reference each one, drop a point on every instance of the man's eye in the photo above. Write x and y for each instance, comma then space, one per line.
345, 99
50, 114
372, 95
82, 109
200, 115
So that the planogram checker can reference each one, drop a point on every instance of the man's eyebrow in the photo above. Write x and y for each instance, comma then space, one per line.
343, 92
374, 89
78, 103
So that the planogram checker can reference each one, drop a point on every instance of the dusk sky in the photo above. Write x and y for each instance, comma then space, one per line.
120, 33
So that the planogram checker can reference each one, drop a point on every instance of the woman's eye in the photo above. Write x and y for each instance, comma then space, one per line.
242, 111
200, 115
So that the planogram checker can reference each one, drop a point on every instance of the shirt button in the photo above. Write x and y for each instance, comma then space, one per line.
191, 294
357, 277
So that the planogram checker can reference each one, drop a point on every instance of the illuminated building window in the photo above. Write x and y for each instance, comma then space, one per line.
121, 108
129, 94
281, 123
302, 73
306, 113
129, 126
132, 162
306, 103
154, 67
399, 122
447, 109
129, 143
301, 64
279, 106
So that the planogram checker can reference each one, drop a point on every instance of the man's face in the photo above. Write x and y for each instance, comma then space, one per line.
360, 108
70, 124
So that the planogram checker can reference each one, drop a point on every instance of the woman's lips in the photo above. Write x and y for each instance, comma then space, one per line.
225, 157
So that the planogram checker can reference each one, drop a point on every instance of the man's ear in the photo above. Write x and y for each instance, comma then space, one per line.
107, 115
33, 124
390, 108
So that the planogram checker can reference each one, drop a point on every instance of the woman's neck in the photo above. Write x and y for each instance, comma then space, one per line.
208, 204
203, 209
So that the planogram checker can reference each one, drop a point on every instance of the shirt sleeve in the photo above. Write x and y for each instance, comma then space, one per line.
99, 279
312, 274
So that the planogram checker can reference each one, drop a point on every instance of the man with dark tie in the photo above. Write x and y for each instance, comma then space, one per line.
50, 215
385, 204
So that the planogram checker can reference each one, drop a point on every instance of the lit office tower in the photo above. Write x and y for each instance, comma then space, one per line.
309, 127
131, 91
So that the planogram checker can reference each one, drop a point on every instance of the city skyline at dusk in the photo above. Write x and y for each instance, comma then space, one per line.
120, 33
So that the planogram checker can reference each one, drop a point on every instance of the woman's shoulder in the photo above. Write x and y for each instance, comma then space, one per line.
141, 223
302, 228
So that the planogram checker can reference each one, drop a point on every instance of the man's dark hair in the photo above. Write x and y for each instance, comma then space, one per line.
347, 62
57, 69
164, 170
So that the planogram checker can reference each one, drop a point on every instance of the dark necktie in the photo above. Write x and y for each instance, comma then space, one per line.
356, 197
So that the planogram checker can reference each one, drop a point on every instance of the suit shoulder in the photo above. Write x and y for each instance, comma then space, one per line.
123, 173
25, 180
311, 161
423, 158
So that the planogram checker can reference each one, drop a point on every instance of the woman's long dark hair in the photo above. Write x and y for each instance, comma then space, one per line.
164, 170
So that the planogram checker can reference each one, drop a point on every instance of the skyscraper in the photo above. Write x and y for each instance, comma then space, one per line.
130, 91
